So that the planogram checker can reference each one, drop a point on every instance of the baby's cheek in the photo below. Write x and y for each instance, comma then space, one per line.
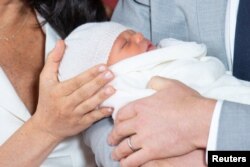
111, 61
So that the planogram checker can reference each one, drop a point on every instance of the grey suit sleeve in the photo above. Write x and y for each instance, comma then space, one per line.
96, 138
234, 127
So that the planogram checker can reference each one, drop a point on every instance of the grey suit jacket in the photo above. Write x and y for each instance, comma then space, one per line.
190, 20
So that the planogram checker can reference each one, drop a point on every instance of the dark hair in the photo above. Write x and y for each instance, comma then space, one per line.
65, 15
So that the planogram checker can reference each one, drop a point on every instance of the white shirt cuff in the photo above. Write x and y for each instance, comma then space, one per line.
213, 132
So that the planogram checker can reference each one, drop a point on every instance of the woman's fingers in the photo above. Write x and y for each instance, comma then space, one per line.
95, 115
69, 86
50, 71
95, 100
69, 107
90, 88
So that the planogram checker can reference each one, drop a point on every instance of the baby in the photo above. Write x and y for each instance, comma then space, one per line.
95, 43
135, 60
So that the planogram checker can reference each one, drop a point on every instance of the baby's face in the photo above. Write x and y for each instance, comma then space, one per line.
129, 43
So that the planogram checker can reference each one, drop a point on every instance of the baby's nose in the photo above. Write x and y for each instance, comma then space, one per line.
138, 37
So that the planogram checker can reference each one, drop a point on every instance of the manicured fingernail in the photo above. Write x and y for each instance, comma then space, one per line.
108, 75
109, 90
102, 68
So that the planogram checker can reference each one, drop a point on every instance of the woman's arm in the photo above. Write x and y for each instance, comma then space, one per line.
64, 109
28, 147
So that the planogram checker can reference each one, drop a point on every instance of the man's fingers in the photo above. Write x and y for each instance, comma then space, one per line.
156, 163
121, 151
124, 148
121, 131
193, 159
95, 115
50, 70
126, 112
136, 159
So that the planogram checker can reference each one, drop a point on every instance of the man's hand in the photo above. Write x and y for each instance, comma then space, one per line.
193, 159
172, 122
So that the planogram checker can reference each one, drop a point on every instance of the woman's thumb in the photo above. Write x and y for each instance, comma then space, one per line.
50, 70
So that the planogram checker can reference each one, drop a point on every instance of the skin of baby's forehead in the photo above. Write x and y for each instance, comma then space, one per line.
123, 33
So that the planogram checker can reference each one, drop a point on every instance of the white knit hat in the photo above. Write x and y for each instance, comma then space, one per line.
87, 46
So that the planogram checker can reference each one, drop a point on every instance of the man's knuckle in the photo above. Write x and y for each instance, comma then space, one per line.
137, 107
119, 131
119, 117
67, 104
138, 125
122, 152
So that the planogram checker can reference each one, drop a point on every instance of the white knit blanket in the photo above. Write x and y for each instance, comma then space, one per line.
183, 61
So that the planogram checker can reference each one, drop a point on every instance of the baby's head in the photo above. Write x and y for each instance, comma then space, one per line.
107, 42
127, 44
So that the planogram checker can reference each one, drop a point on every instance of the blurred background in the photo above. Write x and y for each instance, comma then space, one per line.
109, 6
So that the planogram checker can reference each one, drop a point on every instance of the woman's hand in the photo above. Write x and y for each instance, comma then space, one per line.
67, 108
172, 122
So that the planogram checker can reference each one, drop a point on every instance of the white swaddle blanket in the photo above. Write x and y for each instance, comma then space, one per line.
183, 61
